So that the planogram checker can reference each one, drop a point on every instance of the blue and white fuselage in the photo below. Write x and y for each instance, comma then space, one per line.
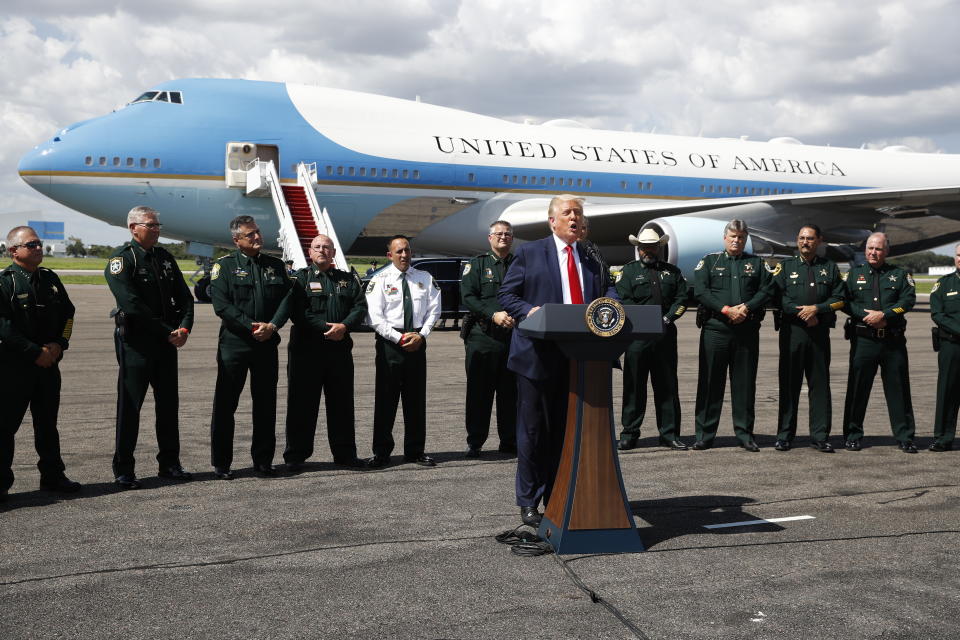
388, 166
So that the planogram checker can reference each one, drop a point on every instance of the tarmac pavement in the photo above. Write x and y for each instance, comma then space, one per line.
409, 552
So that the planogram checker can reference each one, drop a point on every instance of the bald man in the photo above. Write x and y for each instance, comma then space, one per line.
326, 305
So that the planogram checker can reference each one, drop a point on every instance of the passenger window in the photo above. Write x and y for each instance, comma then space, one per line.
363, 171
143, 163
156, 163
116, 161
406, 174
129, 162
416, 174
88, 160
352, 171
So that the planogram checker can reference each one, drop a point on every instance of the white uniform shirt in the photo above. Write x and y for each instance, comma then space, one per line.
562, 260
385, 302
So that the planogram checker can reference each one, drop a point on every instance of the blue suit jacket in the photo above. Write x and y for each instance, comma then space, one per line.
533, 280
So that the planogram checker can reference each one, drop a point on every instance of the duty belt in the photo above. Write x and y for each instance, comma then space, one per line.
882, 333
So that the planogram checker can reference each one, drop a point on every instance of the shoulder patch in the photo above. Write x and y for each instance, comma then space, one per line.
466, 269
910, 280
215, 272
434, 283
936, 285
776, 270
370, 286
699, 266
843, 276
618, 276
116, 266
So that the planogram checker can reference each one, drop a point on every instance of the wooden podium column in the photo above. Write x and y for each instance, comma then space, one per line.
588, 510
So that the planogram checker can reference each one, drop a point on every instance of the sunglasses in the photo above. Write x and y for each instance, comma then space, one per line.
33, 244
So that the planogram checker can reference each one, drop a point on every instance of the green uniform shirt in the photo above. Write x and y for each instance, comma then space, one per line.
320, 297
945, 303
722, 280
897, 293
34, 310
799, 284
149, 288
634, 285
245, 290
480, 283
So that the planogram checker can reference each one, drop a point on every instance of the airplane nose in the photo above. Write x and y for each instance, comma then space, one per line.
35, 167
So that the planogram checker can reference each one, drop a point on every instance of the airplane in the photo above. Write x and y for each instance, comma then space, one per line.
202, 151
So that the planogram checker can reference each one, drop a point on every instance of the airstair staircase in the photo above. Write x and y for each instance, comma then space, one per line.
300, 215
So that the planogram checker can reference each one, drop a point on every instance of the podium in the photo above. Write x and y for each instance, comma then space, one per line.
588, 511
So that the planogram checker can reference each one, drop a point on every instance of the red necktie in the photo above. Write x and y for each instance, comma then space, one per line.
573, 278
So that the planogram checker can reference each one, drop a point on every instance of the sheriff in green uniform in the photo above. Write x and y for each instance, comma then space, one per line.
879, 296
945, 312
36, 321
486, 333
649, 280
249, 291
325, 306
810, 291
732, 288
154, 316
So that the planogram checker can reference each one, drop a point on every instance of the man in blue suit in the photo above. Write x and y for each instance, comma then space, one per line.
555, 269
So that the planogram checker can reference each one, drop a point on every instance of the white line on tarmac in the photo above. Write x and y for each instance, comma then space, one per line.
749, 522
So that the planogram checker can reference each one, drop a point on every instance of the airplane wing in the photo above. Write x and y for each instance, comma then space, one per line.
914, 218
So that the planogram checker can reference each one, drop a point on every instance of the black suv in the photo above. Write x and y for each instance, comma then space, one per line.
446, 272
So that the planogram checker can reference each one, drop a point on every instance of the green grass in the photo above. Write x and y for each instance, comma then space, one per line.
99, 279
66, 264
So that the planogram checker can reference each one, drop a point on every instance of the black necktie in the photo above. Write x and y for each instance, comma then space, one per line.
407, 305
876, 289
656, 296
811, 285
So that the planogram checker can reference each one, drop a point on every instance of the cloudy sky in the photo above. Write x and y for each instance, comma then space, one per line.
845, 73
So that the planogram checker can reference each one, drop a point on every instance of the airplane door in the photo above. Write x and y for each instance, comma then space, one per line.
241, 154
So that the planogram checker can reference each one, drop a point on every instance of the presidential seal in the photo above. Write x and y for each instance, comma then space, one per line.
605, 317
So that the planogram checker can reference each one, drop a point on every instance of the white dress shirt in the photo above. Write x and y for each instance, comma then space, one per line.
562, 259
385, 302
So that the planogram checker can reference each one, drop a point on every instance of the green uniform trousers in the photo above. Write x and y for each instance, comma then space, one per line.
890, 354
487, 375
38, 389
146, 364
657, 360
400, 374
804, 352
948, 393
320, 366
726, 347
234, 359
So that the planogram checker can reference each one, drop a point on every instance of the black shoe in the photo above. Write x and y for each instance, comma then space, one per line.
175, 473
3, 494
821, 445
472, 452
782, 445
378, 462
938, 446
60, 484
626, 443
223, 473
349, 462
907, 446
852, 445
127, 482
700, 445
293, 468
750, 446
507, 448
423, 460
676, 445
265, 470
530, 516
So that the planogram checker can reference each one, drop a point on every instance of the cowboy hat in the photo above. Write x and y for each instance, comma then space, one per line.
648, 236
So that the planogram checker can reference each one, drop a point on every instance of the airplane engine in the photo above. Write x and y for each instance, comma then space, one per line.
691, 238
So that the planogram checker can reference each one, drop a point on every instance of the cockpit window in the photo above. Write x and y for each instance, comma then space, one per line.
175, 97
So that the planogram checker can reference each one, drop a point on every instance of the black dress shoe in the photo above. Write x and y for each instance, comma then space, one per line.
349, 462
507, 448
223, 473
907, 446
293, 468
821, 445
700, 445
378, 462
3, 495
852, 445
127, 482
626, 443
782, 445
750, 446
423, 460
939, 446
472, 452
265, 470
175, 473
530, 516
676, 445
60, 484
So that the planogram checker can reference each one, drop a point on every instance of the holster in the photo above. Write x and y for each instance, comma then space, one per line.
935, 335
119, 319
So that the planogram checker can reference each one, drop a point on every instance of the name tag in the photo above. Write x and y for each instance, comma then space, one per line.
316, 286
952, 293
